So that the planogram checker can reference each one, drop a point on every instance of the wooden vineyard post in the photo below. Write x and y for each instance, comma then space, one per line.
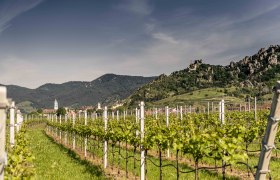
60, 132
12, 124
86, 115
142, 129
222, 119
118, 117
255, 109
74, 136
156, 113
208, 108
65, 133
105, 141
167, 124
269, 137
56, 129
3, 105
21, 119
52, 129
222, 111
124, 113
181, 114
86, 137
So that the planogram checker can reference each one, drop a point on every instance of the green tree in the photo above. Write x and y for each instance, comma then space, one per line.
99, 111
90, 111
40, 111
120, 109
61, 111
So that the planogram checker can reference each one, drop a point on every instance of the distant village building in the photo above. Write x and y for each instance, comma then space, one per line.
98, 106
49, 111
86, 108
55, 105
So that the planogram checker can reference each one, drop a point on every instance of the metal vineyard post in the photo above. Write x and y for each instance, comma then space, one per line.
12, 124
270, 134
3, 105
142, 127
105, 141
167, 124
86, 137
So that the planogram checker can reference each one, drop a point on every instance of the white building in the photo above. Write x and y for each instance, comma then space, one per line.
55, 105
98, 106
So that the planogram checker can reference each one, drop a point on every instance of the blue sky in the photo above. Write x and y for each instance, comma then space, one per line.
63, 40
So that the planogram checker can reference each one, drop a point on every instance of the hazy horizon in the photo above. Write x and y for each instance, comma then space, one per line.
49, 41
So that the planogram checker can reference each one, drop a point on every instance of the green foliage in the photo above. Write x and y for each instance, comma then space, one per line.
40, 111
90, 111
121, 109
61, 111
99, 111
34, 113
198, 135
20, 159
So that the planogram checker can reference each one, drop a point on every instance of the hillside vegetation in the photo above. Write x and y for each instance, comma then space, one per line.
252, 76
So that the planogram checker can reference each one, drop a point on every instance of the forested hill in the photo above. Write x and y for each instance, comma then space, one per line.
256, 74
106, 89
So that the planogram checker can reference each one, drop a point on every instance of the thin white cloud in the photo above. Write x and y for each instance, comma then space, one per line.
251, 15
141, 7
261, 12
9, 9
165, 37
149, 27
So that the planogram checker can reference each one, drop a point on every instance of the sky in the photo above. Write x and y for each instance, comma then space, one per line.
55, 41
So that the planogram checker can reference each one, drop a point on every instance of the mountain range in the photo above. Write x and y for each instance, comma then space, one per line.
106, 89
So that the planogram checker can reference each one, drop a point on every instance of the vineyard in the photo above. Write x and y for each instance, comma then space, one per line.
156, 143
200, 139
